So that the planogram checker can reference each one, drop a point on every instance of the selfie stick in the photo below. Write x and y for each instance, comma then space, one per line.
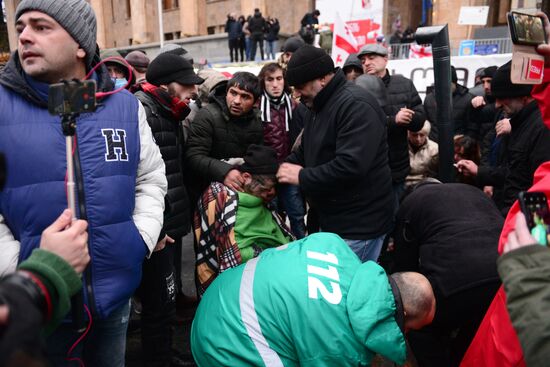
68, 124
438, 37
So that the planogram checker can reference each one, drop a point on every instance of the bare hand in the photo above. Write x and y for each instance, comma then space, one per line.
503, 127
234, 180
478, 101
68, 240
404, 116
289, 173
162, 243
467, 167
544, 49
488, 190
520, 236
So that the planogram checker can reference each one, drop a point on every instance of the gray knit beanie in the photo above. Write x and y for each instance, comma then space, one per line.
75, 16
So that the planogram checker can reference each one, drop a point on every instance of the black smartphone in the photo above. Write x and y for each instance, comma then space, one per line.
526, 29
534, 206
72, 97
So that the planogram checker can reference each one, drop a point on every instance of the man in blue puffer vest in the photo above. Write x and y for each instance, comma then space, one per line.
120, 173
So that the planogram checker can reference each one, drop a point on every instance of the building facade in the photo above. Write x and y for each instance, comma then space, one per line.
123, 23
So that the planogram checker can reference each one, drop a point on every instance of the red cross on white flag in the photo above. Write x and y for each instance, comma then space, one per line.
343, 41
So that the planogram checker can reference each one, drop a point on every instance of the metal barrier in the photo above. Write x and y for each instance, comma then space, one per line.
484, 47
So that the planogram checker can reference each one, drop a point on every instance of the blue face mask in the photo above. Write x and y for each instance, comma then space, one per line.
119, 82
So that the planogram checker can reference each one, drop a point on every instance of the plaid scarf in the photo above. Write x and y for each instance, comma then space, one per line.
176, 106
216, 249
265, 106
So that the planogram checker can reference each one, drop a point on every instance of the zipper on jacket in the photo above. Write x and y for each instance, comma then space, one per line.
83, 215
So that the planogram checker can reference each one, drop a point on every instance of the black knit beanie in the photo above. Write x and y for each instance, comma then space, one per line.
502, 87
488, 72
308, 63
260, 160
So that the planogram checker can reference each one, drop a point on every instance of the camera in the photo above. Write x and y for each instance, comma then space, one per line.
72, 97
526, 29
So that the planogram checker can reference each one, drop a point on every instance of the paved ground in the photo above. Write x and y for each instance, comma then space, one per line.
184, 319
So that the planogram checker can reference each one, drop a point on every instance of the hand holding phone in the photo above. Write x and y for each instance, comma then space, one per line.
534, 206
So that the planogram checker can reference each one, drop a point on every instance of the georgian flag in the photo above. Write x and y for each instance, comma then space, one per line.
343, 41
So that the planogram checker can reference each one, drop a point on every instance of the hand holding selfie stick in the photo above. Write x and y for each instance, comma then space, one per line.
68, 99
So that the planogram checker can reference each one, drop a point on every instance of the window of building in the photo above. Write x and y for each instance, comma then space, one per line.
170, 4
211, 29
177, 35
128, 10
168, 36
130, 41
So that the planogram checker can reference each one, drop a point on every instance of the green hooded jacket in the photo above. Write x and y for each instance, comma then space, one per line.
309, 303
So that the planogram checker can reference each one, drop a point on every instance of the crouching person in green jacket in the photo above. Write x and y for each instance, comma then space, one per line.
309, 303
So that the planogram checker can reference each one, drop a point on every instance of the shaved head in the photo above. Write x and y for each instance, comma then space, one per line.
417, 297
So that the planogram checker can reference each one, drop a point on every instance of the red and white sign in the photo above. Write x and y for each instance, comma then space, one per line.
535, 69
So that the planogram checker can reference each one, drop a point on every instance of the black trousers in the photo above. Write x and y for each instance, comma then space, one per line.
444, 342
256, 39
158, 300
234, 49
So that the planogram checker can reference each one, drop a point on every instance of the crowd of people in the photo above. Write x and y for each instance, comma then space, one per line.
403, 266
246, 34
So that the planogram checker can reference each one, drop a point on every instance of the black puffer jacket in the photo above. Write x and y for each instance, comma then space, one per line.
169, 137
460, 115
215, 135
344, 152
521, 153
257, 24
401, 93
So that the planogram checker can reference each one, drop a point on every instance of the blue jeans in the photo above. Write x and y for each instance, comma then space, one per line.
290, 198
367, 249
271, 49
105, 344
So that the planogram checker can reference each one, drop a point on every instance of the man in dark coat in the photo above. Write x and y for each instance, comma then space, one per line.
405, 108
521, 151
449, 233
461, 99
221, 133
171, 84
342, 162
234, 31
257, 27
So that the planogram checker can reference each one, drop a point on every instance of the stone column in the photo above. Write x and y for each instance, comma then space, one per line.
192, 17
10, 22
97, 5
144, 21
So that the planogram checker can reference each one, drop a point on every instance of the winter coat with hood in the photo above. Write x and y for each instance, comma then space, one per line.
120, 182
